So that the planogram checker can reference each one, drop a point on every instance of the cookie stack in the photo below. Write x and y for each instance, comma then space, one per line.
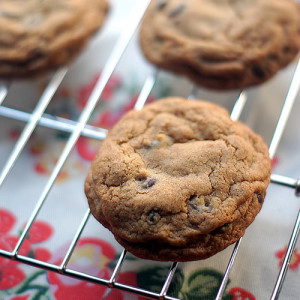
227, 44
38, 36
178, 180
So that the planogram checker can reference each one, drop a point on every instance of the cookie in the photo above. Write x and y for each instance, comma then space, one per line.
225, 44
37, 36
178, 180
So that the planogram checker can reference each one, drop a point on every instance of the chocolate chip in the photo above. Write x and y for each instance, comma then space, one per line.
221, 229
161, 4
141, 179
153, 216
153, 144
34, 20
8, 15
199, 205
192, 197
150, 182
273, 57
192, 203
177, 10
258, 72
286, 49
146, 183
260, 198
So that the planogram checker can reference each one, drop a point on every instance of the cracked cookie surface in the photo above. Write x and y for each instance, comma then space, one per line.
37, 36
178, 180
222, 44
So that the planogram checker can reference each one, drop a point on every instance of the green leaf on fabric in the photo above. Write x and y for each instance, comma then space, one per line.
227, 297
41, 295
202, 284
153, 278
129, 257
26, 284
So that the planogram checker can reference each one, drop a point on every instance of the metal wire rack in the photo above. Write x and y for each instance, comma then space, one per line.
80, 128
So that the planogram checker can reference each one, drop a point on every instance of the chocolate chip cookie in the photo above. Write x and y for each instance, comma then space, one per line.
223, 44
178, 180
37, 36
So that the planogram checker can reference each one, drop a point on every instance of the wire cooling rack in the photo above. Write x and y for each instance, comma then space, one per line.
80, 128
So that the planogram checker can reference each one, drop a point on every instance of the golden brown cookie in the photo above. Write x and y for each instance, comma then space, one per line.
37, 36
222, 44
178, 180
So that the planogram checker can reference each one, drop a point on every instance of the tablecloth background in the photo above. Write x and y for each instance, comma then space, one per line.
262, 249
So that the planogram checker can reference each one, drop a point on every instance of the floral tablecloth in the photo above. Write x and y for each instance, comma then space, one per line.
262, 249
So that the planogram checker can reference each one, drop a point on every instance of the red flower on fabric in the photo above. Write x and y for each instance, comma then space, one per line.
128, 278
37, 148
84, 93
25, 297
14, 134
10, 273
91, 256
240, 294
40, 231
42, 254
7, 221
87, 148
9, 242
295, 258
275, 162
41, 168
108, 119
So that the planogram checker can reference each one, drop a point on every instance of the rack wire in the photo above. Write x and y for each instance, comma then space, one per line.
80, 128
